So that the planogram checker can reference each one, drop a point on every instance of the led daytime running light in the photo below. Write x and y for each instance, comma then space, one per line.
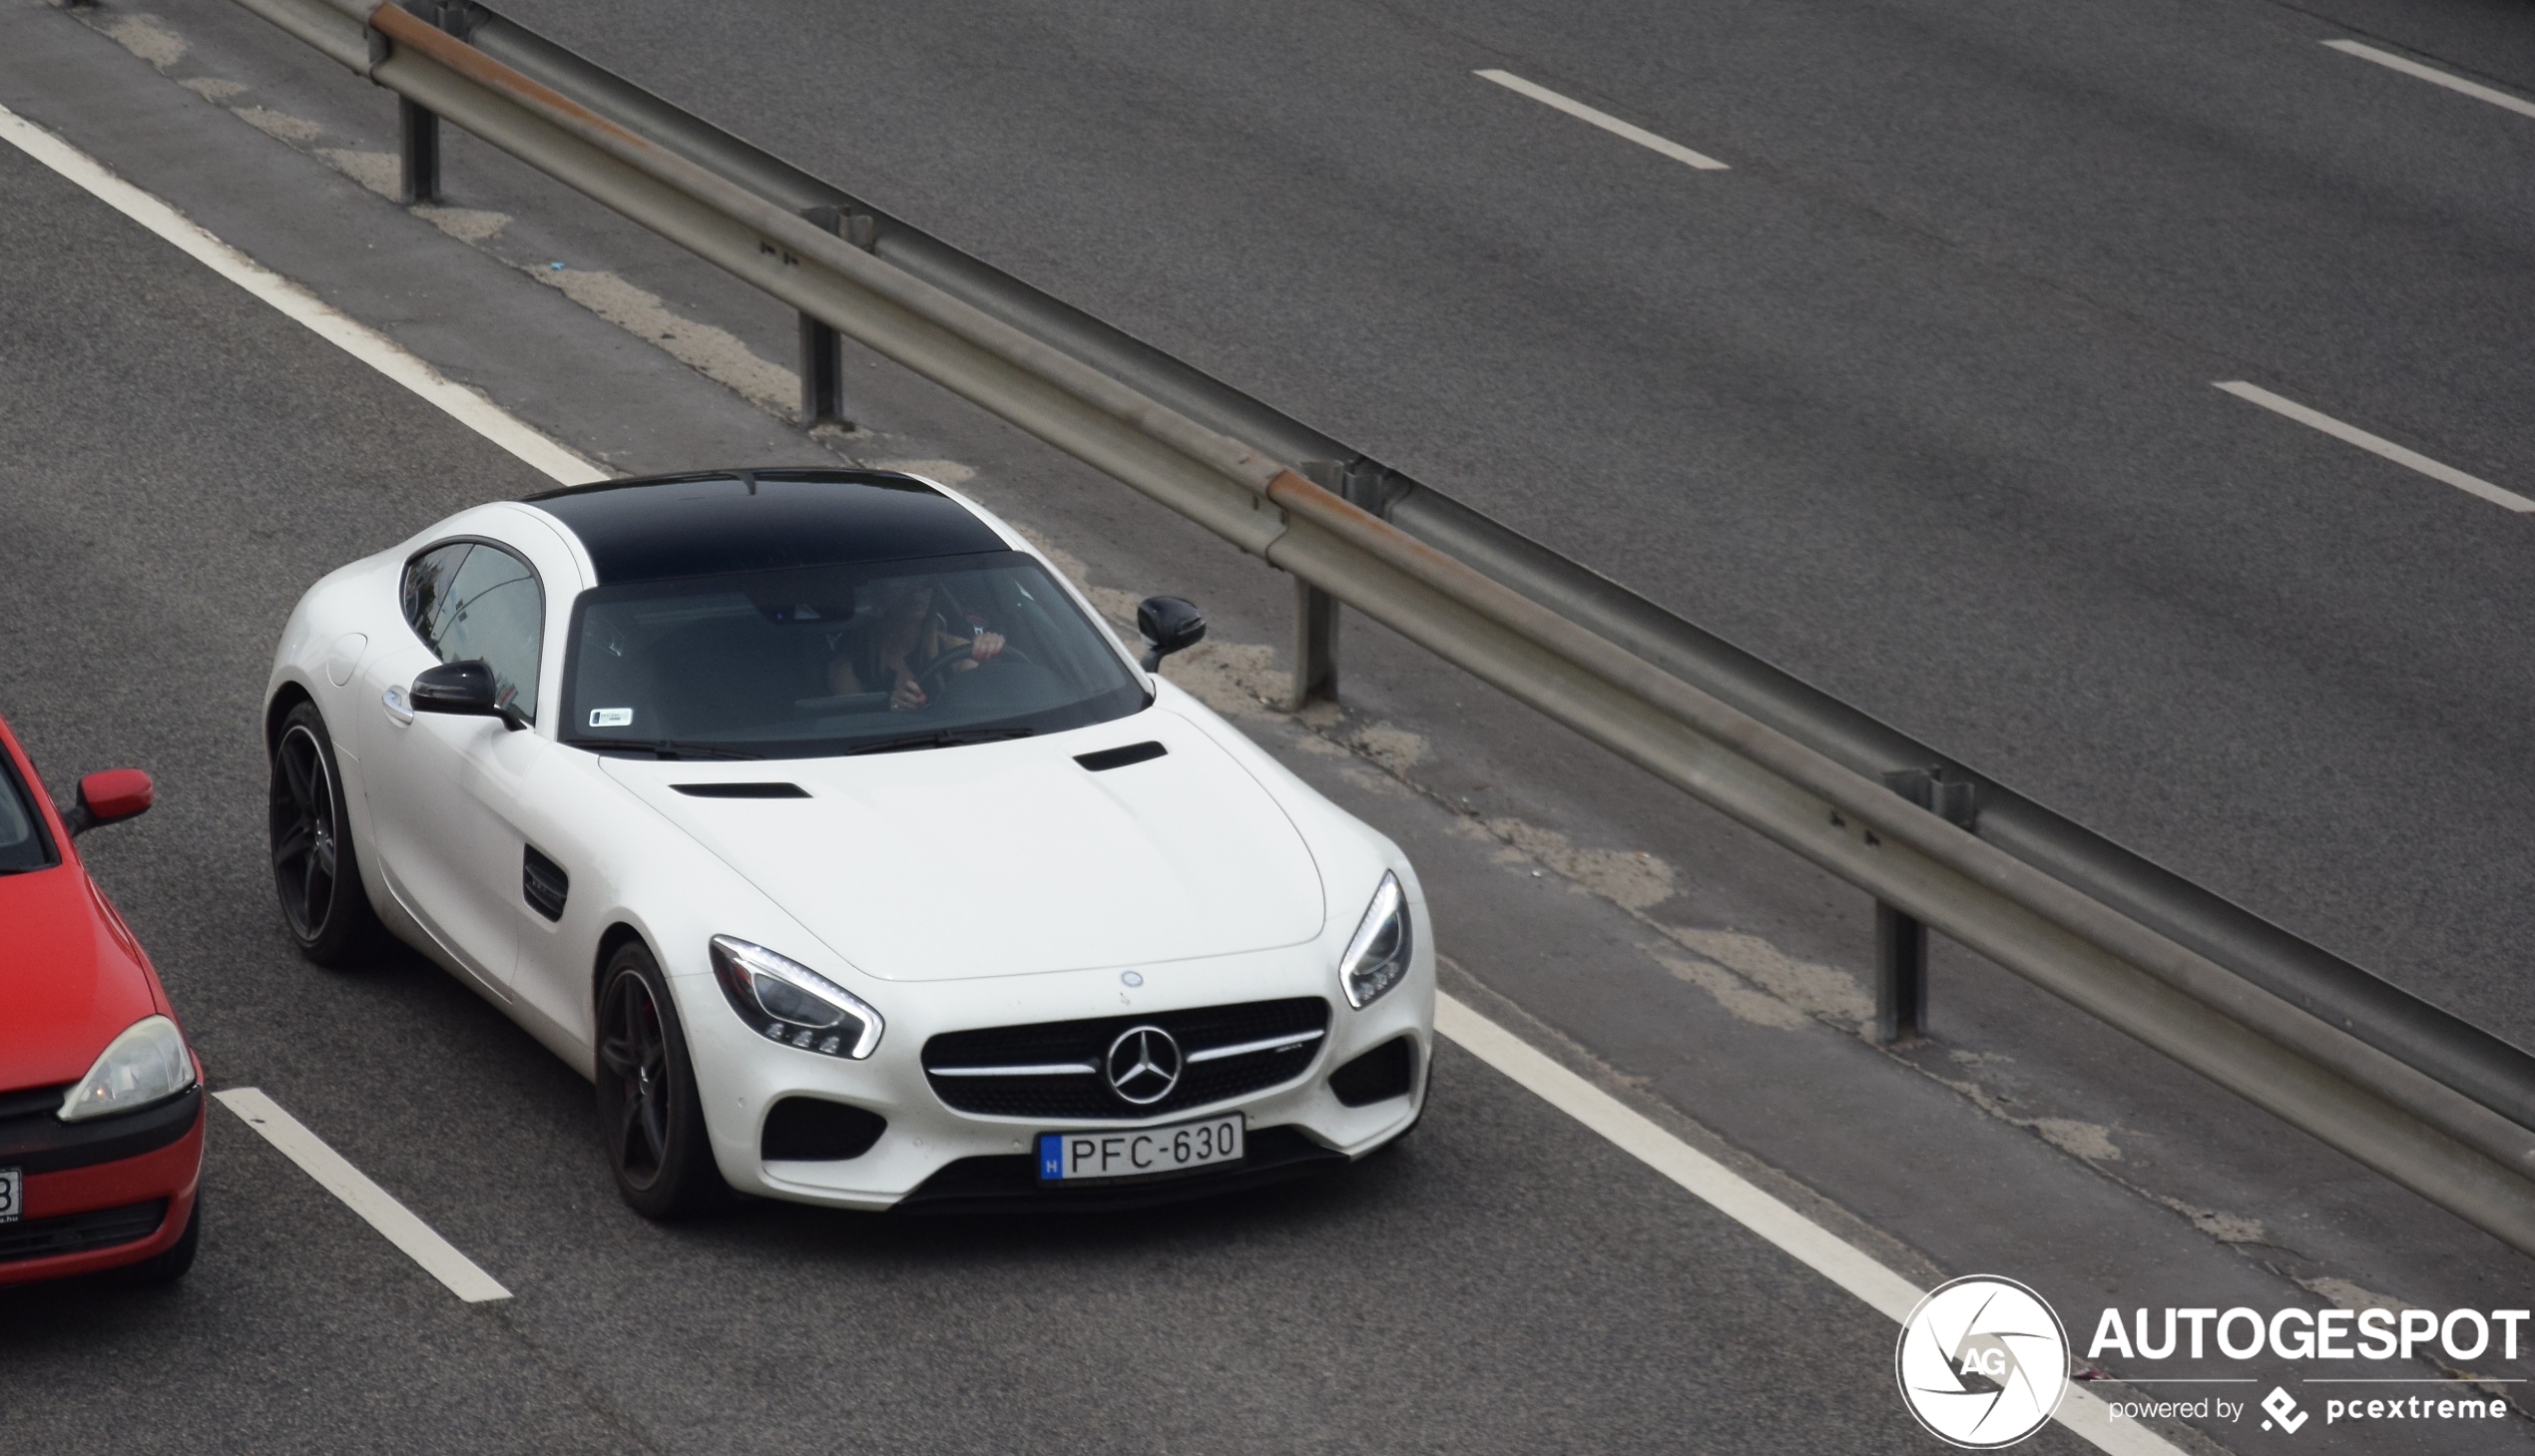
784, 1001
1377, 957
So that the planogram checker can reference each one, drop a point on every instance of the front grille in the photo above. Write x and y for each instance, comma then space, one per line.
79, 1232
32, 1140
1085, 1095
32, 1102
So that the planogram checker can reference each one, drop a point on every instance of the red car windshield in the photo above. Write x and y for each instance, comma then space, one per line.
22, 839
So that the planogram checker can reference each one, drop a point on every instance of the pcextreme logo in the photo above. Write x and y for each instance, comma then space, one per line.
1982, 1363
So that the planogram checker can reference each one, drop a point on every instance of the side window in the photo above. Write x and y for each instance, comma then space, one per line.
22, 843
426, 590
472, 602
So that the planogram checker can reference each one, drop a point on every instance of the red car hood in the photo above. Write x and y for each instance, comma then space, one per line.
71, 977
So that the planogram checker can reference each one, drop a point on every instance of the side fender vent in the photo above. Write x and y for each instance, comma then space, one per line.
543, 885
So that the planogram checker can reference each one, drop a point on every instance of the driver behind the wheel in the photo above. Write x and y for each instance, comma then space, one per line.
905, 641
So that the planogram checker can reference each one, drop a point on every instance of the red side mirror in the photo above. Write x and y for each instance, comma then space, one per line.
109, 796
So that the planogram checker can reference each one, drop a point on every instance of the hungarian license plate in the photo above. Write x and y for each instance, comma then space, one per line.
1142, 1153
12, 1194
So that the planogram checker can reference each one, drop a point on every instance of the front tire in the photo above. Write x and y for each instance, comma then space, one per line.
315, 868
170, 1263
651, 1119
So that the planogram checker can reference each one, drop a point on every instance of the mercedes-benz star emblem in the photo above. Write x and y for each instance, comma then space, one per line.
1142, 1065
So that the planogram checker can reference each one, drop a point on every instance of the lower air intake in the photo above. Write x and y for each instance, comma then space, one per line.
814, 1130
1385, 1072
80, 1233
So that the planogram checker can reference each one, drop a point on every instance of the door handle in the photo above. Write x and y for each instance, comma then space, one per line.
393, 699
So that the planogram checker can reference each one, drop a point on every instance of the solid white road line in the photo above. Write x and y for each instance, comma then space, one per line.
329, 323
1812, 1246
2435, 76
437, 1256
2378, 445
1603, 119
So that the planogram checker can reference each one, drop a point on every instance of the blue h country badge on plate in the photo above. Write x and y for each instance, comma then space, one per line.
1051, 1155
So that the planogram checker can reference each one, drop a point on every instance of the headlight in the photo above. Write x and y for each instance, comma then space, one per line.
788, 1002
1377, 958
146, 1064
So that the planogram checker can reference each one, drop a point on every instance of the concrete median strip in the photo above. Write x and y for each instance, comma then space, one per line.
396, 1222
1729, 1193
328, 322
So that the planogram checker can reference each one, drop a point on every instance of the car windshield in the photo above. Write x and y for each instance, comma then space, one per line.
22, 845
837, 660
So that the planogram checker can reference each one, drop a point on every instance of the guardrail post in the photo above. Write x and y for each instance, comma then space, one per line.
417, 129
417, 154
1901, 940
1365, 483
1900, 975
1315, 614
823, 349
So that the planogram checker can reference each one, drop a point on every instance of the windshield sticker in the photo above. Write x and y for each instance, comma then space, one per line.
611, 717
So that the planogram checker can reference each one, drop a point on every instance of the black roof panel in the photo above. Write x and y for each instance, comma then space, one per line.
761, 520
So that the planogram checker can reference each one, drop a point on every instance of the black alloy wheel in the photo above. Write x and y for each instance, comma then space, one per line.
314, 870
649, 1118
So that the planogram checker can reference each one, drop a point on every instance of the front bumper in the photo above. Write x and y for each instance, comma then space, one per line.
935, 1158
93, 1203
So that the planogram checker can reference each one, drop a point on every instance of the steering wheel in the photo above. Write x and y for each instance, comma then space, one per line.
941, 664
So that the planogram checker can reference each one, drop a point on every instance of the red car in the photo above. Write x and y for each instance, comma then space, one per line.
101, 1100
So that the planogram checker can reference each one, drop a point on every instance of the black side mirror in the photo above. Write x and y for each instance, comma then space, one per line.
1168, 624
463, 687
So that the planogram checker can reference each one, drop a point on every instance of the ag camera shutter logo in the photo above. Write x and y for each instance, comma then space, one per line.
1982, 1363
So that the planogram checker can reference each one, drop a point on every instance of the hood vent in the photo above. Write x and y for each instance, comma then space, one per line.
742, 790
1108, 758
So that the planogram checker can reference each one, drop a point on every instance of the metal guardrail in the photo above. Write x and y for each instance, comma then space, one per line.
2407, 1089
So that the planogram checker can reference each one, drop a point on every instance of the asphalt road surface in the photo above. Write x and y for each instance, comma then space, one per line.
176, 471
176, 462
1915, 399
142, 596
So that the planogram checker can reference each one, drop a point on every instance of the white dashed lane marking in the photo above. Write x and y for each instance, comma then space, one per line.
2378, 445
396, 1222
1601, 119
2435, 76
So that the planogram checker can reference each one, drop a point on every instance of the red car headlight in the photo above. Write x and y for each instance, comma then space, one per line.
145, 1065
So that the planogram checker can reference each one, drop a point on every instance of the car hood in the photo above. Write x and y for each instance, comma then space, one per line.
1011, 858
71, 977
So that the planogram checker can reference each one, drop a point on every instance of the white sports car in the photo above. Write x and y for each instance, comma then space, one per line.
815, 817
